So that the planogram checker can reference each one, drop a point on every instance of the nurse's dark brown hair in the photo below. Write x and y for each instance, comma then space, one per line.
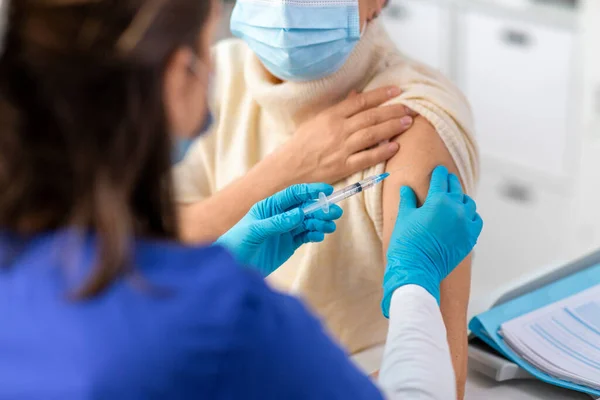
84, 140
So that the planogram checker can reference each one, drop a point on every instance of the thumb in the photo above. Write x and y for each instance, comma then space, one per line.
408, 199
439, 181
280, 223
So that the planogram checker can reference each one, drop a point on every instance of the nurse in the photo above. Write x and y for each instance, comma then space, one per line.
98, 297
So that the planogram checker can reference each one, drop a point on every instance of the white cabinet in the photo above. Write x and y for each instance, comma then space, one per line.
421, 30
517, 77
526, 229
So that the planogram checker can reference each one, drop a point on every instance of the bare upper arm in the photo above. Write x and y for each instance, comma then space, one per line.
421, 150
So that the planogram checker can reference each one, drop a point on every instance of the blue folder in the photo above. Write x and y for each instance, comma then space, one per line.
486, 325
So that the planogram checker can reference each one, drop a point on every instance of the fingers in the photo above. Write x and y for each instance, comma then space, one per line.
365, 101
473, 215
335, 212
470, 207
318, 225
375, 116
295, 196
369, 158
308, 237
408, 198
278, 224
319, 222
374, 135
477, 226
454, 185
439, 181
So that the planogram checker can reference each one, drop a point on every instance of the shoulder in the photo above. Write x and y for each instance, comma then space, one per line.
423, 84
417, 80
197, 268
232, 304
214, 282
203, 269
445, 131
227, 323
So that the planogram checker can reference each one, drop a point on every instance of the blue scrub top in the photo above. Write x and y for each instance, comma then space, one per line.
187, 324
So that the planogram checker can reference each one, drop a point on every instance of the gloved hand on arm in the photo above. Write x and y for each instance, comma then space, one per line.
276, 227
430, 241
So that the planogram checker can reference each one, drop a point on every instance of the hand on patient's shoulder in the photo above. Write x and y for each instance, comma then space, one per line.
347, 138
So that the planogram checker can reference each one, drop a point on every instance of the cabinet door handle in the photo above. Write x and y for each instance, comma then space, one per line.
516, 38
396, 11
517, 192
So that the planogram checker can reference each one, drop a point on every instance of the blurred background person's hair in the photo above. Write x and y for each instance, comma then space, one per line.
84, 137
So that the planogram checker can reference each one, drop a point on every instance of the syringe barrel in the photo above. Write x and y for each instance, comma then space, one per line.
324, 202
321, 204
369, 182
344, 193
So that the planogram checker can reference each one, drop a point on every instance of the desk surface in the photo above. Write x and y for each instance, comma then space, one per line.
480, 387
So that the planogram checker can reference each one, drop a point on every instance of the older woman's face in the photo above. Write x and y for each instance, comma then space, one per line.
370, 9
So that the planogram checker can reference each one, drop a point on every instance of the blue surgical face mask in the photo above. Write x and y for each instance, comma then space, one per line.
181, 146
298, 40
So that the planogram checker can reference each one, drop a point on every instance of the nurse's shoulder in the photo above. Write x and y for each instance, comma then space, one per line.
173, 327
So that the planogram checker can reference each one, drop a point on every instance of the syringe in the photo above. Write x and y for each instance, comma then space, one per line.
324, 202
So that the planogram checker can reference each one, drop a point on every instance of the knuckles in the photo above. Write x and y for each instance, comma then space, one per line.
360, 102
332, 125
370, 136
370, 117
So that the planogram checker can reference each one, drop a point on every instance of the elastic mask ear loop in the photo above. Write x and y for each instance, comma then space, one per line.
193, 67
182, 146
208, 118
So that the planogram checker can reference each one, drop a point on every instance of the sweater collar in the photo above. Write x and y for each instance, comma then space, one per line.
293, 102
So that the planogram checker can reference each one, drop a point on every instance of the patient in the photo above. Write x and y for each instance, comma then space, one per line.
257, 111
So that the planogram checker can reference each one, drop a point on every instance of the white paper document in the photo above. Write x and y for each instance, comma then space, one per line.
561, 339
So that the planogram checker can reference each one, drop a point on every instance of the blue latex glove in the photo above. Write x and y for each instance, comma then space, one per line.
275, 228
430, 241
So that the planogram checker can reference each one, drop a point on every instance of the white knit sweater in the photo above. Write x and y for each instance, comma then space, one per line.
341, 277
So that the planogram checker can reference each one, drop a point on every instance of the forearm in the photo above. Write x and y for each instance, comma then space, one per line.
454, 299
205, 221
416, 362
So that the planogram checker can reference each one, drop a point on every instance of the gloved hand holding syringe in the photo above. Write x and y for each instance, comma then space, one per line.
324, 202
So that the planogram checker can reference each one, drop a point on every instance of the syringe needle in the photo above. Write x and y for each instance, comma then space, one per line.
400, 169
324, 202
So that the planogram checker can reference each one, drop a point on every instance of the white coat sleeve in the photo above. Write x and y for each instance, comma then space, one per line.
416, 362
